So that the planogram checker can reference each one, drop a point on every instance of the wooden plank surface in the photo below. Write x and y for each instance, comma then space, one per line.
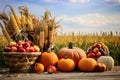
107, 75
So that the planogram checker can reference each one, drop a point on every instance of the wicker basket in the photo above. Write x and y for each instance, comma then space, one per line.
103, 46
20, 62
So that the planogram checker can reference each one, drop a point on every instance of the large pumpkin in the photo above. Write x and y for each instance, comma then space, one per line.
107, 60
66, 65
48, 58
73, 53
87, 64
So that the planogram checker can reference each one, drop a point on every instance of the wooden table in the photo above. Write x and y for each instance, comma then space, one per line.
107, 75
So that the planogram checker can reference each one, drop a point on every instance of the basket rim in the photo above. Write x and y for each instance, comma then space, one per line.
23, 53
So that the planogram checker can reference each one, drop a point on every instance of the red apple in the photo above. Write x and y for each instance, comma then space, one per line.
7, 49
91, 55
20, 42
19, 46
30, 49
21, 50
98, 45
13, 49
51, 69
100, 67
98, 54
26, 44
30, 42
36, 48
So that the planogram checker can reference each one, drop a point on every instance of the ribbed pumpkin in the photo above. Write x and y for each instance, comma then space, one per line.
48, 58
87, 64
38, 68
107, 60
66, 65
73, 53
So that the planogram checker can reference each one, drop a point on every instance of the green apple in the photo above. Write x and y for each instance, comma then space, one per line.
36, 48
12, 43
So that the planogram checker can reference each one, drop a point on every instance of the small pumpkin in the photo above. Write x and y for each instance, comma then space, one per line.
66, 65
87, 64
38, 68
48, 58
71, 52
107, 60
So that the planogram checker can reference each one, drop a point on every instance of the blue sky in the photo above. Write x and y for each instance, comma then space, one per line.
78, 15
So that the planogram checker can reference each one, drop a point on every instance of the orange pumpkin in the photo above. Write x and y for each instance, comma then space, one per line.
38, 67
48, 58
87, 64
66, 64
73, 53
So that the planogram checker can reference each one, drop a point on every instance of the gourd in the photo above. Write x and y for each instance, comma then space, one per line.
108, 61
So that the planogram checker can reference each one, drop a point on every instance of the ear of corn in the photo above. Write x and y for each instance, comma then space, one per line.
14, 23
51, 31
5, 33
46, 36
16, 16
41, 40
30, 24
23, 19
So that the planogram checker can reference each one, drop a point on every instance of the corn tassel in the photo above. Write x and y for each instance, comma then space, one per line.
6, 34
14, 23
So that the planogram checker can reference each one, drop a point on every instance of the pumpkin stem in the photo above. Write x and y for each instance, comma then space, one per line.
71, 45
49, 50
65, 57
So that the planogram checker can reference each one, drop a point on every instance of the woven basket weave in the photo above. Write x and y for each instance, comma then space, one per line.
19, 61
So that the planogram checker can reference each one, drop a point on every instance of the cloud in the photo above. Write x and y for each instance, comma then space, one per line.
93, 20
116, 1
67, 1
81, 1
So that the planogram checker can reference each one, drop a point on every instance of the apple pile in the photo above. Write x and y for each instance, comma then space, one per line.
21, 46
96, 51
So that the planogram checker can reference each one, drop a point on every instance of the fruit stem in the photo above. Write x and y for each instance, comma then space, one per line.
71, 45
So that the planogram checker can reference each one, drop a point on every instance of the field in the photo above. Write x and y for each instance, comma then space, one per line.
82, 41
86, 40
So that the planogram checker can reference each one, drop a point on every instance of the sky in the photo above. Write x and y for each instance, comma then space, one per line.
85, 16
